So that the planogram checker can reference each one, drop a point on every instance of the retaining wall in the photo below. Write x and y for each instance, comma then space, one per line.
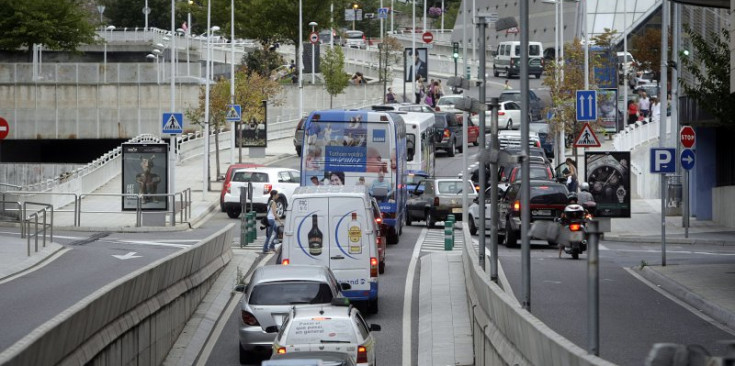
134, 320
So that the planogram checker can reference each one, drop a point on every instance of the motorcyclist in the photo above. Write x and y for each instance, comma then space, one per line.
573, 211
585, 198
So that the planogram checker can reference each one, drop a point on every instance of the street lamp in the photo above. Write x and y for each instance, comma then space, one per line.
109, 28
313, 66
355, 6
154, 56
101, 10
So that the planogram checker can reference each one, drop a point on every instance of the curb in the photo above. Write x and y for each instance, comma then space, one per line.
681, 292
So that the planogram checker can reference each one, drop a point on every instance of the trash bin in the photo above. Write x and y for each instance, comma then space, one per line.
673, 195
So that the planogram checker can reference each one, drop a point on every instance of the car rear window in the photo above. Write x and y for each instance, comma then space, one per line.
552, 193
536, 172
321, 330
414, 178
452, 187
447, 101
515, 97
440, 121
291, 293
250, 177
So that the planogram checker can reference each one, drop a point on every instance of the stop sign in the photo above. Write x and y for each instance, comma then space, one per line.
687, 136
4, 128
427, 37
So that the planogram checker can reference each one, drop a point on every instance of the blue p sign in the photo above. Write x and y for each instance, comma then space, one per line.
662, 160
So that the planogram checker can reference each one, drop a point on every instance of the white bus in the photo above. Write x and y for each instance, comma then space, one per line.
419, 145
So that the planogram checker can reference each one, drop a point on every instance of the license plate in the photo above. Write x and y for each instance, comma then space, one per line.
542, 212
457, 210
575, 236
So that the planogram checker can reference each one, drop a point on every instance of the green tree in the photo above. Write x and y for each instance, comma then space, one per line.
263, 61
390, 54
57, 24
710, 74
333, 70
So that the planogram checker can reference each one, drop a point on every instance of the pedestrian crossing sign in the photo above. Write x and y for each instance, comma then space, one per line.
172, 123
587, 138
234, 113
383, 13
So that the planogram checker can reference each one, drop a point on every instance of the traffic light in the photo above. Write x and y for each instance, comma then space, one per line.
455, 50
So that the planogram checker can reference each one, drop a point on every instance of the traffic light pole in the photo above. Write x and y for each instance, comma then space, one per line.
455, 56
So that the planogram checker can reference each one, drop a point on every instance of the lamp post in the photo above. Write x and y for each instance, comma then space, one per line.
301, 59
354, 14
232, 78
313, 66
101, 10
146, 11
154, 56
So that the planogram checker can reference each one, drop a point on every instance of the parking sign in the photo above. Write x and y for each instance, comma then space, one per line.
662, 160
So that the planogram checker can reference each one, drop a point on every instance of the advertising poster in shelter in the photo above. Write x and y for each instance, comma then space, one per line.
607, 109
145, 171
418, 64
253, 130
608, 174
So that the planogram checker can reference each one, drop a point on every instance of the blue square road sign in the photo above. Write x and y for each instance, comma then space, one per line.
662, 160
172, 123
586, 102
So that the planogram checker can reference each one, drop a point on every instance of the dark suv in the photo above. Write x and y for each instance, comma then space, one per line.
535, 104
448, 134
547, 201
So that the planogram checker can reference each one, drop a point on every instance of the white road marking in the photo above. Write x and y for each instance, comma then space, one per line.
408, 299
152, 243
687, 252
129, 255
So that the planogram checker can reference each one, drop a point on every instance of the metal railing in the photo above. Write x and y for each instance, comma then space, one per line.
47, 225
184, 208
21, 198
14, 215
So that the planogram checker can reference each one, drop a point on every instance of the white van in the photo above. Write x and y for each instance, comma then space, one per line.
508, 59
335, 226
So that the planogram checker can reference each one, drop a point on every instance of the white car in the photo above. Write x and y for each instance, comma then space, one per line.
473, 213
335, 328
264, 179
446, 103
509, 115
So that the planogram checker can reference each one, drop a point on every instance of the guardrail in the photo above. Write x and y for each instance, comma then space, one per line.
184, 207
14, 215
46, 225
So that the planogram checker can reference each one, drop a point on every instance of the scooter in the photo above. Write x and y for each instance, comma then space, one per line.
574, 230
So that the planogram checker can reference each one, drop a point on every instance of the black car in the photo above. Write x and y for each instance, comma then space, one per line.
535, 104
547, 139
448, 135
548, 200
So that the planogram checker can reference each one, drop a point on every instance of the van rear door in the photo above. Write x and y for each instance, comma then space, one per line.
309, 218
352, 243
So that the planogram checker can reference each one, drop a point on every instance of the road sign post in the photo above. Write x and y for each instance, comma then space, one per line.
586, 102
688, 138
314, 38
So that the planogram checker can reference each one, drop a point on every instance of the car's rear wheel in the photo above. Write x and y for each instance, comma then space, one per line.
460, 148
408, 219
495, 72
391, 237
233, 212
511, 237
509, 125
552, 243
381, 267
476, 143
538, 76
429, 220
451, 150
281, 205
245, 357
473, 227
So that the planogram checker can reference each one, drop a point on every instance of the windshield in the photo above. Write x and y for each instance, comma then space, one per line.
536, 172
354, 34
414, 179
321, 330
291, 293
453, 187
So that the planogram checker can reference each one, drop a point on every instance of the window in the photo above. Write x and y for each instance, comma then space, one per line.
250, 177
362, 326
534, 50
290, 293
284, 177
552, 193
295, 177
453, 187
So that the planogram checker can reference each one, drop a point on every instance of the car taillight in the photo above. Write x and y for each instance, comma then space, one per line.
538, 143
248, 318
446, 133
517, 206
362, 354
436, 201
373, 267
281, 350
501, 113
229, 188
267, 188
285, 261
477, 188
379, 219
575, 227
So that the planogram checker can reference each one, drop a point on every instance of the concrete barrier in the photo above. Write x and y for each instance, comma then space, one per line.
506, 334
134, 320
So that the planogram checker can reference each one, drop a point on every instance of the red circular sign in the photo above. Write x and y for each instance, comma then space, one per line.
687, 136
427, 37
314, 37
4, 128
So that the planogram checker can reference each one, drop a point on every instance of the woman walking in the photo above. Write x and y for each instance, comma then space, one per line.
272, 217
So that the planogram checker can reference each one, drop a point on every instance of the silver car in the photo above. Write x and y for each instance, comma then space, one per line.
272, 292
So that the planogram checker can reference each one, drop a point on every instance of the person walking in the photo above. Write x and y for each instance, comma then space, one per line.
632, 112
571, 175
655, 110
273, 218
419, 89
390, 97
507, 85
644, 105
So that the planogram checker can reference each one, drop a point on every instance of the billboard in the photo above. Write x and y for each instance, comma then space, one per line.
608, 174
419, 64
145, 171
253, 132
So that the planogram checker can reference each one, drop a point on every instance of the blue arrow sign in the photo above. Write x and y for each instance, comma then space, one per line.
662, 160
687, 159
586, 105
234, 113
172, 123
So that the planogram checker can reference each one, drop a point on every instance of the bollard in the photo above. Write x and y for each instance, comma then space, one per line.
448, 235
451, 219
253, 231
244, 231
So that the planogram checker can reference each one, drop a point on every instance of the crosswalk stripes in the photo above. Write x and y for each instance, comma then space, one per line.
434, 242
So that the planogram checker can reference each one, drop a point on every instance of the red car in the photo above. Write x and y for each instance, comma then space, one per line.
473, 130
228, 177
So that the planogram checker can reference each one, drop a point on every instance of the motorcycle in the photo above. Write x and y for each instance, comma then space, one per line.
574, 229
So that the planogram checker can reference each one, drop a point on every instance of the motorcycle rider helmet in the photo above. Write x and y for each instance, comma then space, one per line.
574, 212
584, 186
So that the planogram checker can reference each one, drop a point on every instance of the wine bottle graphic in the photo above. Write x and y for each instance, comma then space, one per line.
315, 237
354, 232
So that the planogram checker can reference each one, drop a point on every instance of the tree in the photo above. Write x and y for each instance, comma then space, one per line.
333, 70
647, 51
60, 25
262, 61
711, 69
250, 90
390, 54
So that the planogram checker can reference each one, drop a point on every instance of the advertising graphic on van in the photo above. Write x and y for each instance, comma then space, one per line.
344, 230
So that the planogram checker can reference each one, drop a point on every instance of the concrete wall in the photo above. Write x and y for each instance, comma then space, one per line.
723, 211
506, 334
134, 320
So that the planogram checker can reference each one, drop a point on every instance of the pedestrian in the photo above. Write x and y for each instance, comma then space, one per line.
419, 89
571, 175
507, 85
273, 218
655, 109
632, 112
390, 97
644, 105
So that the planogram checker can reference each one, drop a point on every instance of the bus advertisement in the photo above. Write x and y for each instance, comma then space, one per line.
355, 147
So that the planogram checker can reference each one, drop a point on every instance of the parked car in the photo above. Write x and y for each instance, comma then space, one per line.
547, 201
326, 34
473, 214
448, 133
337, 328
228, 177
323, 358
298, 136
272, 292
545, 137
434, 199
535, 104
264, 179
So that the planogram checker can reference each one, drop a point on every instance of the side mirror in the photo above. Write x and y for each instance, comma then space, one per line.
374, 328
345, 286
271, 329
241, 287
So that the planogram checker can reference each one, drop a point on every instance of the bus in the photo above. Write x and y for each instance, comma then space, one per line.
357, 147
419, 146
